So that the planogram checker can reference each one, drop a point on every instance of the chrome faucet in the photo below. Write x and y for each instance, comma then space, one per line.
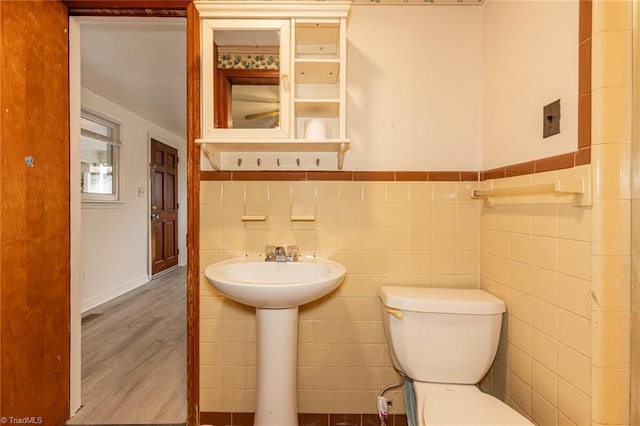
281, 254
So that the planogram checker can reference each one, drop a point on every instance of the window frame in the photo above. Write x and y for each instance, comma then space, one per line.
101, 119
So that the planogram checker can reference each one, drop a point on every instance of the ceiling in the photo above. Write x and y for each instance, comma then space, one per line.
139, 64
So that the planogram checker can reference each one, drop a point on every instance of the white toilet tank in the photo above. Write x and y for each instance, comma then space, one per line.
442, 335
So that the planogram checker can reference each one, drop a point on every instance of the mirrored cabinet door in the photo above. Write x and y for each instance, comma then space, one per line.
246, 93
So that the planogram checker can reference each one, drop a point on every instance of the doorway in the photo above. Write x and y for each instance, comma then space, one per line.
120, 254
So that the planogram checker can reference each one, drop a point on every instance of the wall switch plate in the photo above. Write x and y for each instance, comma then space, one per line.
551, 119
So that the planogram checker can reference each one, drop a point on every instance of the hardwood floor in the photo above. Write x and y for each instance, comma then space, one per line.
134, 356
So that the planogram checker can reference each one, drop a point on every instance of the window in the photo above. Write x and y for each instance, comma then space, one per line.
100, 158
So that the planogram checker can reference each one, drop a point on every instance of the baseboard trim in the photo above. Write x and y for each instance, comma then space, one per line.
104, 297
134, 424
304, 419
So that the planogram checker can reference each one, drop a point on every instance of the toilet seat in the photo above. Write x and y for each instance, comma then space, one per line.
465, 405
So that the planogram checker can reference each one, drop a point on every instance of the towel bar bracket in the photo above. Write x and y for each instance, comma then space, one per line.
574, 187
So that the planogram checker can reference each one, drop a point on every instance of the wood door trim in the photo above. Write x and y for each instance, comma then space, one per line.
225, 78
164, 8
193, 215
109, 5
188, 9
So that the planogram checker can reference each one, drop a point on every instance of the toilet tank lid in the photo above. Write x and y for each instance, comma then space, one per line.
441, 300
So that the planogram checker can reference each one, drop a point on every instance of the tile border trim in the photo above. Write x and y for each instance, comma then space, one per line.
563, 161
304, 419
557, 162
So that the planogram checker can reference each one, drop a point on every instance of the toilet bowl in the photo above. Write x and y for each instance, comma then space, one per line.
445, 340
464, 405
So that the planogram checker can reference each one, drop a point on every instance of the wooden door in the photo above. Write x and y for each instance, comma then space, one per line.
34, 212
164, 207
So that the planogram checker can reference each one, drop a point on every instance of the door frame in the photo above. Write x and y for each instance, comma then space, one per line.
75, 216
140, 8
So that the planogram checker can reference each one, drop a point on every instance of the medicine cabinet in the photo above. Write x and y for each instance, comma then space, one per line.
273, 81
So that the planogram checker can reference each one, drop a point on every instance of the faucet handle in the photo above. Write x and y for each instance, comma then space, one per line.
292, 253
270, 253
281, 255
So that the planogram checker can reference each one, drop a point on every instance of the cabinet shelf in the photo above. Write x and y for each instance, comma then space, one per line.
317, 107
317, 71
215, 148
276, 145
318, 40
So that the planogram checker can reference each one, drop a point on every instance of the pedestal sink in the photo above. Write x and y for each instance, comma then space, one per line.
276, 289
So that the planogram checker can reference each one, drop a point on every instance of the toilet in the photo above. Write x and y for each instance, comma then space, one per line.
445, 340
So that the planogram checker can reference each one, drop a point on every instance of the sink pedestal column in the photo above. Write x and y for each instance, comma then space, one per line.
277, 364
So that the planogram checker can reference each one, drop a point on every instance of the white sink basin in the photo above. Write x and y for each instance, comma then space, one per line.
275, 285
276, 289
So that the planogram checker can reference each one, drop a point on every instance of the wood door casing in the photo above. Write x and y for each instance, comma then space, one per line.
164, 8
164, 207
193, 215
225, 79
34, 211
58, 80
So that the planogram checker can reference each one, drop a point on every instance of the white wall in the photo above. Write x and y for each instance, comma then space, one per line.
414, 88
115, 239
459, 87
530, 59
